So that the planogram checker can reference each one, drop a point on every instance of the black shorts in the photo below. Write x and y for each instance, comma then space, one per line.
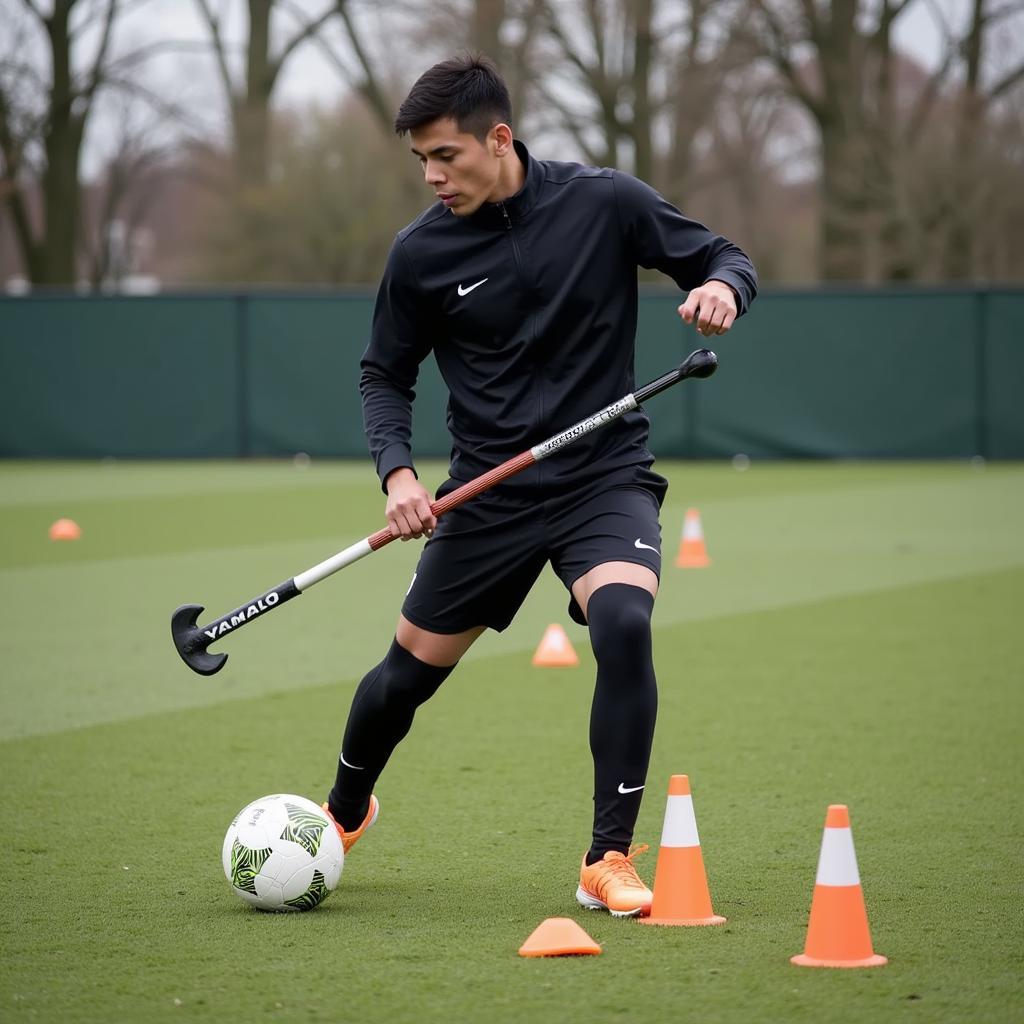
486, 555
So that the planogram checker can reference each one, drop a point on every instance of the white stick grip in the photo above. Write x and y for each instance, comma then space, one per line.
331, 565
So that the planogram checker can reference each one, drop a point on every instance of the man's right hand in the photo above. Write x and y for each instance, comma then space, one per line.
408, 508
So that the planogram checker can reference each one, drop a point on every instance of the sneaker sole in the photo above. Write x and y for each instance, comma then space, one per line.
375, 803
376, 811
589, 902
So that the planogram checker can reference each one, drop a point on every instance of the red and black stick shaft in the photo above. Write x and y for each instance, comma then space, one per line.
192, 640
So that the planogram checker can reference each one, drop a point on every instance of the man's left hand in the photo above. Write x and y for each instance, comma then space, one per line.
712, 305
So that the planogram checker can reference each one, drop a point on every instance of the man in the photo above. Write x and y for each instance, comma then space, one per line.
521, 279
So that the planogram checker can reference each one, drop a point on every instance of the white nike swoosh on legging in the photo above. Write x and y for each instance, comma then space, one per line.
623, 790
638, 543
341, 756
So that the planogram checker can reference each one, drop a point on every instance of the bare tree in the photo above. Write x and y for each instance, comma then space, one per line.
590, 41
970, 160
118, 204
707, 71
647, 70
738, 177
506, 31
249, 99
42, 125
836, 60
249, 96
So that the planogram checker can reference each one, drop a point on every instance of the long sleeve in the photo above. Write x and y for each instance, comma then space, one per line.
399, 341
663, 239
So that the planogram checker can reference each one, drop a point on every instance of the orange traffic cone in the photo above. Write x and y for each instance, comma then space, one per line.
555, 648
558, 936
65, 529
692, 552
837, 934
681, 894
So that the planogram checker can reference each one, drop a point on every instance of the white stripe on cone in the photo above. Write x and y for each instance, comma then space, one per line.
691, 527
680, 828
837, 863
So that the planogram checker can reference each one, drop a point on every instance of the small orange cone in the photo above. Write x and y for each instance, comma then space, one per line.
681, 894
558, 936
692, 552
555, 648
65, 529
837, 934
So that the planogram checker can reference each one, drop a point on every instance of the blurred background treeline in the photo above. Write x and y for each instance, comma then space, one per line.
150, 144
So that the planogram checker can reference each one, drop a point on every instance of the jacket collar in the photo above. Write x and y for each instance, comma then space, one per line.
515, 208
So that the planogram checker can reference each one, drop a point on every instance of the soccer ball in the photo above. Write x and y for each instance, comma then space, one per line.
282, 853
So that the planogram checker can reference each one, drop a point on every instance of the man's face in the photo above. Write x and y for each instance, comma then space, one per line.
462, 170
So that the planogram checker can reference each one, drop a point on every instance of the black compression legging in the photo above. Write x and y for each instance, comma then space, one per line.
382, 711
623, 712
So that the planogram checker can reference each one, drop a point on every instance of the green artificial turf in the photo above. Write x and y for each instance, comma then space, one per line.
856, 640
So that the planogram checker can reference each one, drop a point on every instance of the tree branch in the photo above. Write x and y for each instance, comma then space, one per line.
125, 6
812, 19
96, 75
1007, 82
144, 53
556, 30
596, 76
218, 49
571, 122
778, 55
368, 87
597, 34
308, 29
892, 13
34, 10
11, 194
993, 17
886, 19
918, 116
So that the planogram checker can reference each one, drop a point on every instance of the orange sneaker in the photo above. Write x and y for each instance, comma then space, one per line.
612, 884
349, 839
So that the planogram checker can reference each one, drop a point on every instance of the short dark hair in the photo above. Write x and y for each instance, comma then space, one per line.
469, 89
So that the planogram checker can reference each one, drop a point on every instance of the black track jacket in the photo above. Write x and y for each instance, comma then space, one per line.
530, 306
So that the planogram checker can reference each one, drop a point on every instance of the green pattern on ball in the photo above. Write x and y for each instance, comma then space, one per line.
305, 828
315, 894
245, 866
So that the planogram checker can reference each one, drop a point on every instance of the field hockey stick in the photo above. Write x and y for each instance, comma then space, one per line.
192, 641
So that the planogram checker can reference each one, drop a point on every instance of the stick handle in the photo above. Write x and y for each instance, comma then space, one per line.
701, 363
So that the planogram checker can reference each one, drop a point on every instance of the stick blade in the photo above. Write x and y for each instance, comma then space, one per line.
191, 643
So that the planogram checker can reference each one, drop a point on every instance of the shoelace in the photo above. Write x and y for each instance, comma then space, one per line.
623, 871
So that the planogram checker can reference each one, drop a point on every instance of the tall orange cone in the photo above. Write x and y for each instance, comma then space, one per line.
838, 934
65, 529
681, 894
692, 552
555, 648
558, 936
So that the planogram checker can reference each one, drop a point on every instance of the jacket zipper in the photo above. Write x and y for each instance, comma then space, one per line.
517, 256
515, 244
